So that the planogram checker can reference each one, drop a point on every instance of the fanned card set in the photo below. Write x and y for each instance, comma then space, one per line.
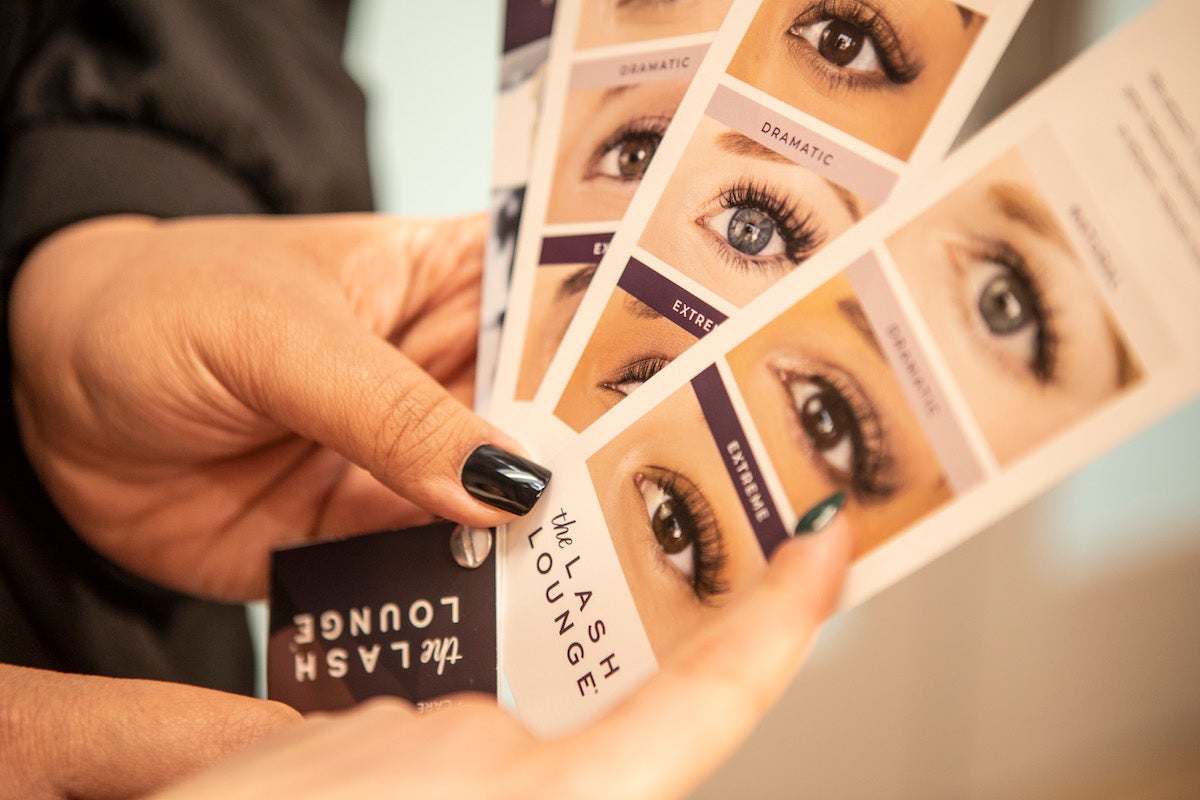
749, 285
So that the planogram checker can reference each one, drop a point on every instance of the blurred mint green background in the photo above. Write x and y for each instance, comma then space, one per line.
1055, 655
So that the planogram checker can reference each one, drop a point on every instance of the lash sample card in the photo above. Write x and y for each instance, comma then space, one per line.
383, 614
1029, 306
804, 117
615, 75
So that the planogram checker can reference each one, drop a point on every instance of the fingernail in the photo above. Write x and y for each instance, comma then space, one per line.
504, 480
820, 515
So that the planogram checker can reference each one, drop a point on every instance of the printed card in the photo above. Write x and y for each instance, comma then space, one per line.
383, 614
1030, 305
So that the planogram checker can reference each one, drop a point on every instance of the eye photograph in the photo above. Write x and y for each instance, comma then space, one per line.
833, 416
1025, 333
557, 292
736, 216
679, 530
630, 345
875, 70
608, 139
605, 22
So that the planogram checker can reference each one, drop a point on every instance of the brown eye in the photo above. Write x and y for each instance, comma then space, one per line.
841, 42
826, 418
669, 534
634, 155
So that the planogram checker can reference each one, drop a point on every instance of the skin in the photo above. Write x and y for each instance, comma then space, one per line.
586, 187
702, 703
603, 22
211, 389
860, 98
626, 331
939, 258
689, 226
190, 359
552, 307
820, 333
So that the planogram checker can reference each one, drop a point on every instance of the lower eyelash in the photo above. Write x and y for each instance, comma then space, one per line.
709, 543
799, 231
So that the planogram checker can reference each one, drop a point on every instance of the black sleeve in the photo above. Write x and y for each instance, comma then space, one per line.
166, 108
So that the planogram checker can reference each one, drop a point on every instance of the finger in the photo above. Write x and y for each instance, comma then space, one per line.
86, 736
714, 689
310, 365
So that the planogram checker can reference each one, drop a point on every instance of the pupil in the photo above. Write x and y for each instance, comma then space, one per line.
1006, 305
824, 419
671, 537
750, 229
841, 42
635, 155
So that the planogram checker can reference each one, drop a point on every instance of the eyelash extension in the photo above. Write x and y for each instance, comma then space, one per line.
801, 236
1047, 342
871, 463
708, 543
899, 64
639, 371
651, 125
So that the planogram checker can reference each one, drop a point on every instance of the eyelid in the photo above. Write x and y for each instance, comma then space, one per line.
710, 559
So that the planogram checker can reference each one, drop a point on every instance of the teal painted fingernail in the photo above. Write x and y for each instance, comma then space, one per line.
821, 514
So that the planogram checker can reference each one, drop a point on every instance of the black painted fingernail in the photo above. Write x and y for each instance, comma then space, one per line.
504, 480
820, 515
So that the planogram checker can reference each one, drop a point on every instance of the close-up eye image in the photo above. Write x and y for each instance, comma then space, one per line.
736, 216
1018, 320
608, 139
680, 533
557, 292
877, 70
605, 22
631, 343
834, 418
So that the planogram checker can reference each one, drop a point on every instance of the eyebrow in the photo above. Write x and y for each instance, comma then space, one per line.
738, 144
639, 310
853, 313
576, 282
968, 16
1019, 204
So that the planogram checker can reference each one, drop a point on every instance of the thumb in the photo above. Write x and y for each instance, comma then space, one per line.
87, 736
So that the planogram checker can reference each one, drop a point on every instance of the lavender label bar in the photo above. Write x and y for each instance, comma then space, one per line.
676, 304
740, 462
807, 148
661, 65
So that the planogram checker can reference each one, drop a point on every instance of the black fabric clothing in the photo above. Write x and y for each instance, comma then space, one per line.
167, 108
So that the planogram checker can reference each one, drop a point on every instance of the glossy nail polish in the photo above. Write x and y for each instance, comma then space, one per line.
504, 480
820, 515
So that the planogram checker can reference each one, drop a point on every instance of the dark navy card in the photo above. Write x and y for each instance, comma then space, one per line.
381, 614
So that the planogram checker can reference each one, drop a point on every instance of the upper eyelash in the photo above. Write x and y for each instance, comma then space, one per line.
709, 543
1047, 341
800, 234
641, 370
654, 125
899, 64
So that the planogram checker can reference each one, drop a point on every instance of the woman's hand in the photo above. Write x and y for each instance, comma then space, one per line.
661, 742
194, 393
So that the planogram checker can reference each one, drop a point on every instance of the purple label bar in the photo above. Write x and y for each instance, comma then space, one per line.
739, 461
677, 63
676, 304
585, 249
807, 148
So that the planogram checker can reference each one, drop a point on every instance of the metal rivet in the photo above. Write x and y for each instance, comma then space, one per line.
470, 547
